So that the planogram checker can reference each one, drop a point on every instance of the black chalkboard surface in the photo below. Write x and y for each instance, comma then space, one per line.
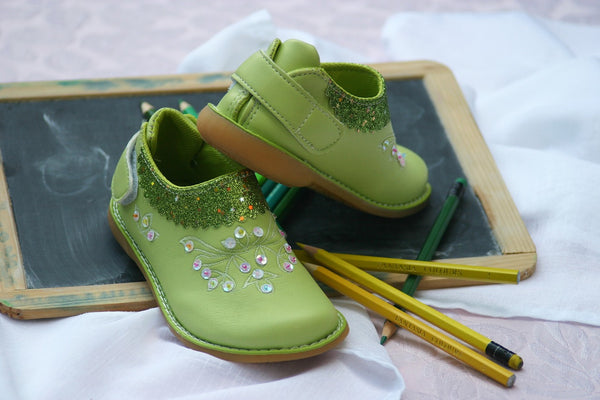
345, 230
59, 152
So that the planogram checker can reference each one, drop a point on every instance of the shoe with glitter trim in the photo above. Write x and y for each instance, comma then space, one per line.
301, 122
198, 226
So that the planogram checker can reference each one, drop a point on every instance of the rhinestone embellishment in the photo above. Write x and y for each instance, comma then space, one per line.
231, 267
206, 273
188, 246
385, 144
258, 273
213, 283
229, 243
245, 267
197, 264
144, 224
266, 288
151, 235
261, 259
288, 267
228, 286
239, 232
401, 157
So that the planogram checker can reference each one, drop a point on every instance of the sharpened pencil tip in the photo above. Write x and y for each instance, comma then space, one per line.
462, 181
383, 340
310, 250
310, 267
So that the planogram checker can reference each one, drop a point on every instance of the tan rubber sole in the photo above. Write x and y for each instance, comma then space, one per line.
229, 356
280, 167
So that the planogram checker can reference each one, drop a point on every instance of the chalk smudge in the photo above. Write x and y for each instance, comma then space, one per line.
74, 168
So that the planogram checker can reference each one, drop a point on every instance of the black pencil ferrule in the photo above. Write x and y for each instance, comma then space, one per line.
456, 190
498, 353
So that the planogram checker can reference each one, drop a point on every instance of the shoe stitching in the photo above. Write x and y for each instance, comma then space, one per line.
278, 114
308, 115
263, 100
236, 104
285, 78
309, 99
166, 307
316, 107
251, 115
415, 201
405, 205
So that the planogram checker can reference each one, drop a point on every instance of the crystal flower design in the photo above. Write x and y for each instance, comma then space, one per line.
248, 258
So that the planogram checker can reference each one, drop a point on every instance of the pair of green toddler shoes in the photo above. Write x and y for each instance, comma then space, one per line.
195, 220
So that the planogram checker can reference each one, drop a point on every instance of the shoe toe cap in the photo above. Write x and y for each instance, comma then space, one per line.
295, 316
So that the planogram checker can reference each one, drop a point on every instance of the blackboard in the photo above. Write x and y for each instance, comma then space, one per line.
60, 146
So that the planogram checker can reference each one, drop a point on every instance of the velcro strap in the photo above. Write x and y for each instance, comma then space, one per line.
314, 127
128, 161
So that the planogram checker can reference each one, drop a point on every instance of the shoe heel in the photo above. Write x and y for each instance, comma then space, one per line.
235, 142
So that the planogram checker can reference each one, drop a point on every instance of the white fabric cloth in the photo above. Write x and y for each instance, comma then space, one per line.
537, 107
534, 89
134, 355
121, 355
233, 45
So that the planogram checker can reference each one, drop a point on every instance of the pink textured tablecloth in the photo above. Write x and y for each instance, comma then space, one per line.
560, 361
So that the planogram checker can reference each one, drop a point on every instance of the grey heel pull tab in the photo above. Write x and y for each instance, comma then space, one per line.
130, 155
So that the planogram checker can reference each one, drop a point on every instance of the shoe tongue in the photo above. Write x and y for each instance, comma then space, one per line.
294, 54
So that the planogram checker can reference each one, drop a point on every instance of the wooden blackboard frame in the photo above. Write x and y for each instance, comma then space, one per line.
517, 248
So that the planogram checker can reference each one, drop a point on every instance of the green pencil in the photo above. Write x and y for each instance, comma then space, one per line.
147, 110
276, 194
284, 205
437, 232
187, 108
267, 186
261, 179
431, 243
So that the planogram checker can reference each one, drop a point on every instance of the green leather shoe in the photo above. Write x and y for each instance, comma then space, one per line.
198, 227
327, 126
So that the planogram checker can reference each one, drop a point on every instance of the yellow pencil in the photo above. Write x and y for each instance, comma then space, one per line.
430, 268
475, 339
413, 325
